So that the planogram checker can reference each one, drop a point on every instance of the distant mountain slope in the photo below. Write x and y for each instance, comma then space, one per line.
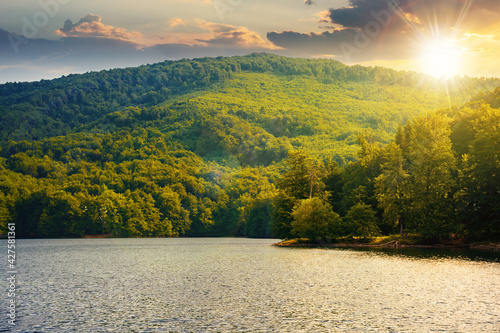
51, 108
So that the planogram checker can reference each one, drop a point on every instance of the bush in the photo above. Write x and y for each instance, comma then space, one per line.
314, 219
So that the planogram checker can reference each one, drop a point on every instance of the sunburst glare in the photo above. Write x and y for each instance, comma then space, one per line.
440, 59
440, 53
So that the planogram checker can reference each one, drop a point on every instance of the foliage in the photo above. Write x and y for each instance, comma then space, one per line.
300, 181
479, 176
314, 219
392, 187
361, 221
217, 147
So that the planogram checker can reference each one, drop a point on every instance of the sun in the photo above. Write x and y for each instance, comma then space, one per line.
441, 59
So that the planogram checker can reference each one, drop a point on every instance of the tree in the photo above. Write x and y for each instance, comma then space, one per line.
313, 218
299, 182
175, 219
58, 215
334, 183
431, 164
391, 187
482, 182
5, 216
257, 222
361, 220
360, 176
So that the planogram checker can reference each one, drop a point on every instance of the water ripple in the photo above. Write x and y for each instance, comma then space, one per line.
242, 285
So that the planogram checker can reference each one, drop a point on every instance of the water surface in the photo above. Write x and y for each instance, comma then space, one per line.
245, 285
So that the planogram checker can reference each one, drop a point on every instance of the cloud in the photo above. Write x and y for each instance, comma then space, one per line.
322, 43
363, 11
309, 2
220, 34
91, 26
368, 30
412, 18
347, 45
447, 13
324, 16
177, 21
90, 45
198, 32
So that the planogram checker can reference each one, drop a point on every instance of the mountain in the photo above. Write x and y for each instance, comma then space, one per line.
192, 147
275, 96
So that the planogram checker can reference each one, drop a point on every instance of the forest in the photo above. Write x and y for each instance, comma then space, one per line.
255, 146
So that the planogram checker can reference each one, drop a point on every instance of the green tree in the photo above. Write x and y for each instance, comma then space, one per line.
258, 224
431, 166
5, 216
175, 219
313, 218
361, 221
299, 182
59, 215
334, 183
482, 182
359, 184
391, 187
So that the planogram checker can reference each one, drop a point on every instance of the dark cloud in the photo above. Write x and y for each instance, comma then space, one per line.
347, 45
309, 2
363, 11
324, 43
365, 26
386, 29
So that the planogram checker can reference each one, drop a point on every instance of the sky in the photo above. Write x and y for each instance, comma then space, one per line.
44, 39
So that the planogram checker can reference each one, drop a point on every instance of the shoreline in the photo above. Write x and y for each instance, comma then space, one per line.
98, 236
492, 247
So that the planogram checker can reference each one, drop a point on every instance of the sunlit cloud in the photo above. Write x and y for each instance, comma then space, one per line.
323, 16
225, 34
177, 21
198, 32
91, 26
412, 18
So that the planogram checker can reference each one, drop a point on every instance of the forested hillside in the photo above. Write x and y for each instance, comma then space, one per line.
217, 146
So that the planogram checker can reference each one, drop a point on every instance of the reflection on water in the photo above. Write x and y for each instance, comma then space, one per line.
243, 285
434, 253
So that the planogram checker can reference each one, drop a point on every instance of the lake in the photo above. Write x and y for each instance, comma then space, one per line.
246, 285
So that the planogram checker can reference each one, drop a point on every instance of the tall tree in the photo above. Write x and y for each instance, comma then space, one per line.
431, 166
302, 180
334, 183
391, 187
360, 176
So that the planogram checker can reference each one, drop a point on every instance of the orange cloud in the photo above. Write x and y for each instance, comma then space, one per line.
198, 32
177, 21
224, 34
91, 26
412, 18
